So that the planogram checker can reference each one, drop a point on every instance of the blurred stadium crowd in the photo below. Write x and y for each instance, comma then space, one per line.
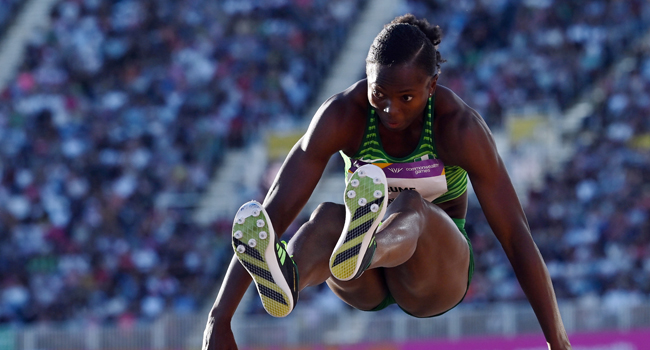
590, 220
8, 8
120, 102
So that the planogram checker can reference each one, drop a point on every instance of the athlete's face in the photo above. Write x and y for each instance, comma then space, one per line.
399, 93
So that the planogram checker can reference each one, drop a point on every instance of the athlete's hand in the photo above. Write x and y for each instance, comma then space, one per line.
218, 336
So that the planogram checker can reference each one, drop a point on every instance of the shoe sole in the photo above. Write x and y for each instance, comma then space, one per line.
361, 221
254, 242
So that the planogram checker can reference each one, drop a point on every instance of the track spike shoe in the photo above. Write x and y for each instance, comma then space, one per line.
365, 203
266, 260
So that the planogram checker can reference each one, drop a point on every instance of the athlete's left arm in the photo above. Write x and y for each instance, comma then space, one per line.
468, 142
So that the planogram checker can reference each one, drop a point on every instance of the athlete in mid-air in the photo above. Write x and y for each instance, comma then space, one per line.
410, 146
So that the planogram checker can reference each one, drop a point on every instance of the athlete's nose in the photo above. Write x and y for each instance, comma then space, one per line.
391, 111
389, 108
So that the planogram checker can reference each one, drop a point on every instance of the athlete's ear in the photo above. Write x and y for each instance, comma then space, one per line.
433, 84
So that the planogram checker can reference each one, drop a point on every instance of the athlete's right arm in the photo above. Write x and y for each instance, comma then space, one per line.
295, 182
338, 125
333, 128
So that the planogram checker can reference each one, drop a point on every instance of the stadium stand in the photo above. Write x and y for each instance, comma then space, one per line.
8, 11
120, 104
592, 217
512, 53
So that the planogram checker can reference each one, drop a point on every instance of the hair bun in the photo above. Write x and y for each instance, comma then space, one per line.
432, 32
407, 39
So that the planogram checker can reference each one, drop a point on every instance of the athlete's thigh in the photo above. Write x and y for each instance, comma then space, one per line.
311, 248
435, 278
363, 293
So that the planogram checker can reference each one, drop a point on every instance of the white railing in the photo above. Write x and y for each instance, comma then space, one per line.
169, 332
307, 327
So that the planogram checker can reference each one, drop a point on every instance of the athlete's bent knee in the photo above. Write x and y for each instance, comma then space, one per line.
408, 199
328, 217
327, 210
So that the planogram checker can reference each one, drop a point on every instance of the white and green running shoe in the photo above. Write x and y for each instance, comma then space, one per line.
273, 270
365, 203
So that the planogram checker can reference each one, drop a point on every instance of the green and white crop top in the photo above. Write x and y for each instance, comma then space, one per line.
421, 170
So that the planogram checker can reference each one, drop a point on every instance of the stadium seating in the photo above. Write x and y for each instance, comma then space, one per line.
121, 104
8, 11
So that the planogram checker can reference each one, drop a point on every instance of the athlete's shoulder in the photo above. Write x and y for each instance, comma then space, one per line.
349, 103
458, 127
340, 120
453, 114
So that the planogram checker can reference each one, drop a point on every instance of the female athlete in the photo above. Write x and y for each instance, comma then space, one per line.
410, 146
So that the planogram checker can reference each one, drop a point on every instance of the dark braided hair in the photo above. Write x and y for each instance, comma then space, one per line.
407, 39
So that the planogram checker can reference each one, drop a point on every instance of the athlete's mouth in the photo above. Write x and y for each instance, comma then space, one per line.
391, 123
386, 119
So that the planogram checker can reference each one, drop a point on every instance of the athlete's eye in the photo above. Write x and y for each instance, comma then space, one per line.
407, 98
377, 94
